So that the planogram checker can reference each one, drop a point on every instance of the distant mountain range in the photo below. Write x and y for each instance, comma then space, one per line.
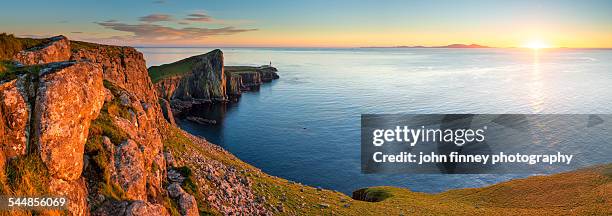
447, 46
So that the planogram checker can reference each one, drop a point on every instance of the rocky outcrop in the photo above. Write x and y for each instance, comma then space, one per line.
187, 203
268, 73
252, 77
46, 115
14, 116
206, 80
130, 170
56, 50
141, 208
130, 208
123, 66
69, 96
141, 128
76, 193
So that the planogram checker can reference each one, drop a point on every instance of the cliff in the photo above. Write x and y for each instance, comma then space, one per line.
83, 121
204, 78
247, 78
197, 78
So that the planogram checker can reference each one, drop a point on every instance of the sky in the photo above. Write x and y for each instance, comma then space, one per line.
316, 23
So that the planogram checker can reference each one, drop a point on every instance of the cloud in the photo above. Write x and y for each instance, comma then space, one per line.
148, 32
156, 18
199, 17
76, 32
159, 2
36, 36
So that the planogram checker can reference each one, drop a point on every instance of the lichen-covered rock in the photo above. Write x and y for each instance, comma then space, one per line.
187, 203
69, 96
130, 208
147, 135
141, 208
75, 191
56, 50
130, 170
170, 162
156, 174
123, 66
14, 118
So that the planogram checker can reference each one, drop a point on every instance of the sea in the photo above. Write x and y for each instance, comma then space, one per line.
305, 126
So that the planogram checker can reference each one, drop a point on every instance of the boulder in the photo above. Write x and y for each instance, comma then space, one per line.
74, 191
170, 162
69, 96
130, 208
187, 203
14, 118
142, 208
130, 170
56, 50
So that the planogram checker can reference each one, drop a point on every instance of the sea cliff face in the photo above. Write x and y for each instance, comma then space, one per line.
202, 79
205, 79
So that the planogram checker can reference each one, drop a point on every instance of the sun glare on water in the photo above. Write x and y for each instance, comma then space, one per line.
536, 44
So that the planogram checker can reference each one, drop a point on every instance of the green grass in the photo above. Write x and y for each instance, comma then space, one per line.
103, 126
171, 205
181, 67
94, 147
238, 69
26, 175
189, 185
9, 71
101, 157
11, 45
372, 194
577, 192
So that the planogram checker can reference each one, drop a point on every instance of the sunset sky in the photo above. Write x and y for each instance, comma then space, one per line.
316, 23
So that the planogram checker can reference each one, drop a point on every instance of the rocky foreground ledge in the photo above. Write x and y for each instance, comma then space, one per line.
83, 121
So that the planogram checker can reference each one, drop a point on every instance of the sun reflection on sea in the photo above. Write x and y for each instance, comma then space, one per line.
536, 87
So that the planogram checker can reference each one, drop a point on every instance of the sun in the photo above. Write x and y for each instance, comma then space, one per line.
536, 44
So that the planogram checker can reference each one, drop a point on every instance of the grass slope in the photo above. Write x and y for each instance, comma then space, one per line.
158, 73
583, 192
178, 68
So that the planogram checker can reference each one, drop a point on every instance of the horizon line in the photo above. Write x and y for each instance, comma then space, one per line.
362, 47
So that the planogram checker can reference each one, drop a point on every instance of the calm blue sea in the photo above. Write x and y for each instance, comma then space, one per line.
306, 126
